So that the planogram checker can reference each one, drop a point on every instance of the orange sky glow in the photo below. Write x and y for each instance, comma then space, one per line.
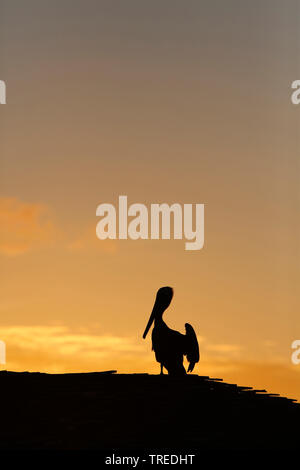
162, 103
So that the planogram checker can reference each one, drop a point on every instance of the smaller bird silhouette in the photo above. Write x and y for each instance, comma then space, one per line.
169, 345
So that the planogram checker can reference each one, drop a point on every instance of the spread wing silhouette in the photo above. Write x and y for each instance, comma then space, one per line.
192, 347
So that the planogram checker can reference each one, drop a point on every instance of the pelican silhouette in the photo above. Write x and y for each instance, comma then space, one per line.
169, 345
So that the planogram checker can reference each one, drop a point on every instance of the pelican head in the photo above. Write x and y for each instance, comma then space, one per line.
163, 299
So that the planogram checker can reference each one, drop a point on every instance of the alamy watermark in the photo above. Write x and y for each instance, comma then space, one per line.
296, 354
159, 225
2, 352
295, 96
2, 92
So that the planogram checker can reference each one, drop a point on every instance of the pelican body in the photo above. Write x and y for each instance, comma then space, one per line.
169, 345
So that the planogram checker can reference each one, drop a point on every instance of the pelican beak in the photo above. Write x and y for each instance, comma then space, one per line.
151, 320
162, 301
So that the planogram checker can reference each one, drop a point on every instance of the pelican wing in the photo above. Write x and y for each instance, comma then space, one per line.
192, 347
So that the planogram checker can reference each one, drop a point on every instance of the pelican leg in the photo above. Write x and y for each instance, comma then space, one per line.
161, 369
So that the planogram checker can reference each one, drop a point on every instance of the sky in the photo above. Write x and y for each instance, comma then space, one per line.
174, 102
